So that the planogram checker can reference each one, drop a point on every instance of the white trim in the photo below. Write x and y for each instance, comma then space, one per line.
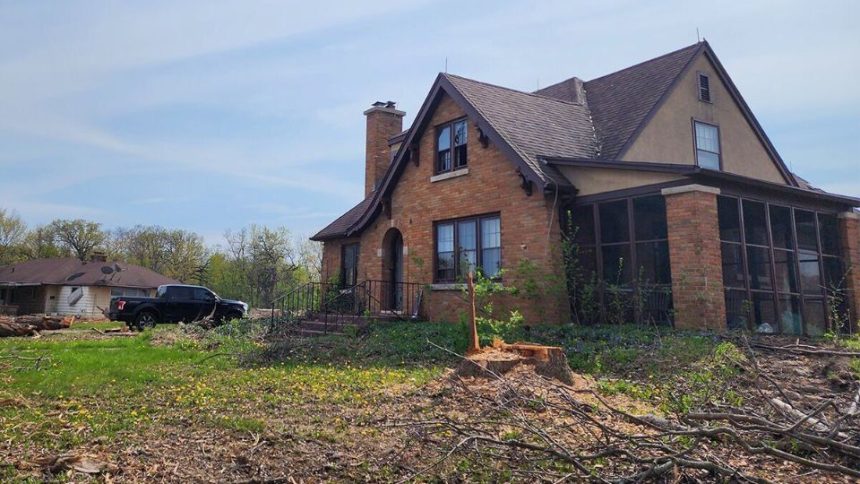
690, 188
450, 174
850, 215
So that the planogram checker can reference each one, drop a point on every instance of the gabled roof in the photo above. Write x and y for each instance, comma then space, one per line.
621, 102
341, 225
553, 122
69, 271
531, 124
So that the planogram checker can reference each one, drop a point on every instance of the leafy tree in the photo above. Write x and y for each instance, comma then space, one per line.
79, 236
264, 258
176, 253
40, 243
12, 234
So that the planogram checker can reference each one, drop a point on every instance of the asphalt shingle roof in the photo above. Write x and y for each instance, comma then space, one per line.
70, 271
596, 122
342, 224
620, 102
532, 124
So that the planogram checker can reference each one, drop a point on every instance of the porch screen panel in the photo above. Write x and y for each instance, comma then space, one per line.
777, 275
622, 245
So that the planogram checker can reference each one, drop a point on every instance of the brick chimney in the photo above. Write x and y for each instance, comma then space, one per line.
383, 122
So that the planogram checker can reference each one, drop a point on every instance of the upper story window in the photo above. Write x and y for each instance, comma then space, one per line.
704, 88
707, 145
451, 153
464, 245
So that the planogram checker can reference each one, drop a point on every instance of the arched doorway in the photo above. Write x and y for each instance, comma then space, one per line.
392, 270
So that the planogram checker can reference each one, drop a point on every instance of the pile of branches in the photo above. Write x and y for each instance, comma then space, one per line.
30, 325
531, 428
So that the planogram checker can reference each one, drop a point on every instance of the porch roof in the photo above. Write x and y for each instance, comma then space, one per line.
698, 174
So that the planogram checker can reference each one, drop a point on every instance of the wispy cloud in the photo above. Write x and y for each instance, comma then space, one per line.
204, 115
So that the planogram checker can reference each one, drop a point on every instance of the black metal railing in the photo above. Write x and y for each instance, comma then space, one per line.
334, 305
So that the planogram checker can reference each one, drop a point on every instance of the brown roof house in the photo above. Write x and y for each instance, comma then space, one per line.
651, 193
68, 286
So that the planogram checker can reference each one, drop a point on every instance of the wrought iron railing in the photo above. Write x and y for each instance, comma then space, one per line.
335, 305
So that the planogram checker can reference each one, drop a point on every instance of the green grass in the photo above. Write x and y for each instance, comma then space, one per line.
100, 325
88, 387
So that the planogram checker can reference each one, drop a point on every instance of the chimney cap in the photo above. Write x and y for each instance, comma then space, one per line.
389, 107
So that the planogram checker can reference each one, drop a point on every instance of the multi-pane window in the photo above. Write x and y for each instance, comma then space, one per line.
623, 244
451, 152
349, 264
777, 276
707, 145
466, 245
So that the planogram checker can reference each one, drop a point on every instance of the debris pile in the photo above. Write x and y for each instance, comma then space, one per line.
31, 324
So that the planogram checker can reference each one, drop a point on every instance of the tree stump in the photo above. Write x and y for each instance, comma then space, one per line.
547, 361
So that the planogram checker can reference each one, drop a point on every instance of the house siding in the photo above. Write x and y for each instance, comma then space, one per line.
529, 225
88, 306
591, 181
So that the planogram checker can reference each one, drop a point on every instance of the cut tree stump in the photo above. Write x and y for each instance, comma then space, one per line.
547, 361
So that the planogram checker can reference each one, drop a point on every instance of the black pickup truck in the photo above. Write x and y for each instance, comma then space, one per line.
172, 304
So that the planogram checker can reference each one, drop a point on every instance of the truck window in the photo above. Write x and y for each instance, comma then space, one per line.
202, 294
179, 292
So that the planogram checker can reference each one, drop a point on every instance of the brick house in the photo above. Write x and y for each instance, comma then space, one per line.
680, 207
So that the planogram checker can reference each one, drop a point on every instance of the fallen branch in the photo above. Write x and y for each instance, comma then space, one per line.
807, 350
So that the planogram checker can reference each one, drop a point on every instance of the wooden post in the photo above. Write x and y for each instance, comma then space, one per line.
474, 345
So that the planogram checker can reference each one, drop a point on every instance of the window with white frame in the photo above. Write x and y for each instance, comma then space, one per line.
707, 145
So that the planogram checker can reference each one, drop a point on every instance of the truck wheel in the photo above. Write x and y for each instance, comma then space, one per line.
145, 320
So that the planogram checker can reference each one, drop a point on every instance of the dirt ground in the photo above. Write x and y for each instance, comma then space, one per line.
417, 432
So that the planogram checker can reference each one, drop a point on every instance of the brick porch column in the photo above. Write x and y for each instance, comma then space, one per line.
849, 231
695, 257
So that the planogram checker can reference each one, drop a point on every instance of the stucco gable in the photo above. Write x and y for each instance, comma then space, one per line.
667, 134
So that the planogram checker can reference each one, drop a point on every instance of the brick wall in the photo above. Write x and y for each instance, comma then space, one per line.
491, 186
382, 124
695, 257
849, 227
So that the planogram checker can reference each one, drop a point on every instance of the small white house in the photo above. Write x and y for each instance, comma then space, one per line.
71, 287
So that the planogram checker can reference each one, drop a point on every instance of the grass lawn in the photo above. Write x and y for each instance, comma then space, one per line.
163, 397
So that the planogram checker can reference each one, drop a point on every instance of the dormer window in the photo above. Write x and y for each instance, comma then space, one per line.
704, 88
707, 145
451, 153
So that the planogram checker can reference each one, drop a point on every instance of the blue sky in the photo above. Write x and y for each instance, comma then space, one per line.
214, 115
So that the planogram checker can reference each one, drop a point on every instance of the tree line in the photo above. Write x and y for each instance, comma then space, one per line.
255, 264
